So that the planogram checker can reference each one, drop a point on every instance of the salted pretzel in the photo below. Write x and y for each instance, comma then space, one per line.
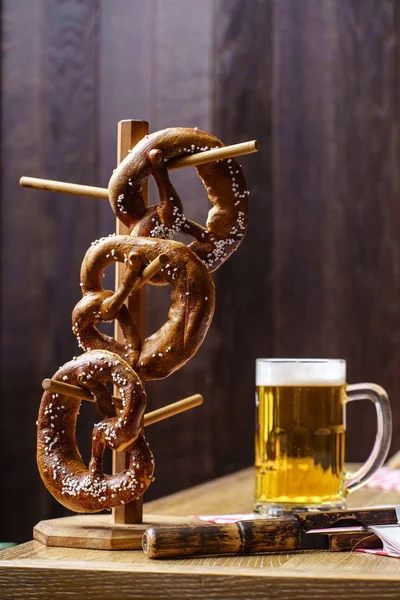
88, 489
224, 181
189, 317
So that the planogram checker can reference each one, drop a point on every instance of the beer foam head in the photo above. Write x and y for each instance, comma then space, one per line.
304, 371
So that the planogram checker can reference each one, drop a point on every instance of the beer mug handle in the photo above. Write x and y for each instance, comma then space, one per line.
377, 395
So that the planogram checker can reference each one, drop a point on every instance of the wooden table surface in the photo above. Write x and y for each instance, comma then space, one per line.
37, 572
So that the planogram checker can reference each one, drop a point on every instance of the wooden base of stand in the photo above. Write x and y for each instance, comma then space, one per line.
98, 532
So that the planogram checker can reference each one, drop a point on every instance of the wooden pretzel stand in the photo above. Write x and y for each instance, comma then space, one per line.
123, 530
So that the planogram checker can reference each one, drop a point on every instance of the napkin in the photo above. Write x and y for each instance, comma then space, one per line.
385, 479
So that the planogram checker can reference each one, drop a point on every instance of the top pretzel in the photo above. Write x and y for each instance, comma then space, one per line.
223, 179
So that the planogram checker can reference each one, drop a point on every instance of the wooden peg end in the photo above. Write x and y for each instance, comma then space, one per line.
46, 384
59, 387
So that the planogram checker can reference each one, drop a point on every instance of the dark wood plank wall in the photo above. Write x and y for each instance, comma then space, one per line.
367, 183
243, 110
336, 192
183, 446
317, 83
49, 123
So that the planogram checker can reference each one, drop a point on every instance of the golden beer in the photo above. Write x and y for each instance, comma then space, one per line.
299, 445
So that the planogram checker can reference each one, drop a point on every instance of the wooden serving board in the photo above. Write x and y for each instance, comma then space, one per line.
98, 532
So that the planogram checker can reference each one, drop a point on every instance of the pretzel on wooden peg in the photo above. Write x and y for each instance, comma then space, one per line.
137, 359
223, 179
88, 489
170, 410
90, 191
190, 315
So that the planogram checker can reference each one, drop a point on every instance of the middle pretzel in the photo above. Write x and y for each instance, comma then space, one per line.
189, 317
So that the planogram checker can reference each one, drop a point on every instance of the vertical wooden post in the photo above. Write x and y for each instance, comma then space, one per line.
129, 134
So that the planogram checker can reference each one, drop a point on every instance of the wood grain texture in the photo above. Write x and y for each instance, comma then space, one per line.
32, 571
130, 132
181, 95
304, 193
243, 327
124, 54
350, 541
243, 537
21, 52
232, 586
49, 116
379, 516
98, 532
336, 192
368, 193
69, 149
124, 62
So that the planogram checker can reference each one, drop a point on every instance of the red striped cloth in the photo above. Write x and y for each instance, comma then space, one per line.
385, 479
378, 552
220, 519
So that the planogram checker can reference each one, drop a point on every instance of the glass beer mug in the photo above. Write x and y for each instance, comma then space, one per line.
300, 434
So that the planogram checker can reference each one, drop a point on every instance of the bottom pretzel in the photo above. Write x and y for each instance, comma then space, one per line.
72, 483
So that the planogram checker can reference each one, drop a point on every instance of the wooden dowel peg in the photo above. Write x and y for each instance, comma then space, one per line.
152, 269
192, 160
64, 187
201, 158
130, 132
173, 409
59, 387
